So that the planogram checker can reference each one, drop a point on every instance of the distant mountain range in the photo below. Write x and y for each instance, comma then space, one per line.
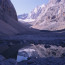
32, 15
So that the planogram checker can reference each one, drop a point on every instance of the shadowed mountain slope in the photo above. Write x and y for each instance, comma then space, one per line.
9, 24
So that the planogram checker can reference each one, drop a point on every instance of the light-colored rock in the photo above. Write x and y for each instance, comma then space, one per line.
52, 16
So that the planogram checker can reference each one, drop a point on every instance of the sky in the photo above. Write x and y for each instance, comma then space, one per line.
26, 6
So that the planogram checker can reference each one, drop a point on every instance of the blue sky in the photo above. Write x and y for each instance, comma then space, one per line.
26, 6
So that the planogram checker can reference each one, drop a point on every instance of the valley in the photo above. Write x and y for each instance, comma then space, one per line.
37, 38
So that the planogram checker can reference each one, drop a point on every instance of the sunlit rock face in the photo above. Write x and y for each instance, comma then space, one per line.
52, 16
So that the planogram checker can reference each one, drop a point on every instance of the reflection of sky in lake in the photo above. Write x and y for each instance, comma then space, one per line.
24, 54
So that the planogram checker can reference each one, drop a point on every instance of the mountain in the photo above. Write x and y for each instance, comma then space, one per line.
9, 24
35, 13
52, 16
32, 15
